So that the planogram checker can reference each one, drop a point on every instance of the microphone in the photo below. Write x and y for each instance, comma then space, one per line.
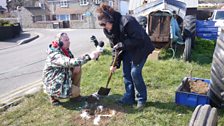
100, 46
94, 40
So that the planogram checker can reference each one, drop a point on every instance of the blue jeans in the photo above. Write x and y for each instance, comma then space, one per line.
133, 80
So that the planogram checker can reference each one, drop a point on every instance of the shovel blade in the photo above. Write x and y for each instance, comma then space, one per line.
104, 91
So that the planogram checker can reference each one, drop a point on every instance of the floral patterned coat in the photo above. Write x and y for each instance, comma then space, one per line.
57, 74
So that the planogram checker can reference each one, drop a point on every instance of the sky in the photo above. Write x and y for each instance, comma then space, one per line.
3, 3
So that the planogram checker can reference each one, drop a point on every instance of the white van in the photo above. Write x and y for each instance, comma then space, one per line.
218, 17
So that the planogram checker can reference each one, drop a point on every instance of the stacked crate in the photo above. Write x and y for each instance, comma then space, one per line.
206, 30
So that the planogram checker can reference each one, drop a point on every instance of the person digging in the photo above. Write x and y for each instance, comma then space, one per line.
127, 35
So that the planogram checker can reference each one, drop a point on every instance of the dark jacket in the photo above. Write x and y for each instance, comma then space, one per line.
127, 30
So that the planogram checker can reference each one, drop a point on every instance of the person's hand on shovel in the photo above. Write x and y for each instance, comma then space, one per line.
113, 69
118, 48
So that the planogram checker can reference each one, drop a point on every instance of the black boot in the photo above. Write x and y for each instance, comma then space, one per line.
55, 101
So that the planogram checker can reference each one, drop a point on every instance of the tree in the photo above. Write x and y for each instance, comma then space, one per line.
12, 4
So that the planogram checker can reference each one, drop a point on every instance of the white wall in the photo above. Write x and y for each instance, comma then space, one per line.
3, 3
191, 3
124, 7
133, 4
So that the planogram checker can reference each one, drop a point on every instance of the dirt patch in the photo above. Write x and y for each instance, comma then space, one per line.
198, 86
95, 112
101, 115
195, 86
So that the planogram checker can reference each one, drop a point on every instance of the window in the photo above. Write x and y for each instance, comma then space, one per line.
219, 15
37, 18
64, 3
84, 2
63, 17
54, 17
97, 1
76, 17
111, 3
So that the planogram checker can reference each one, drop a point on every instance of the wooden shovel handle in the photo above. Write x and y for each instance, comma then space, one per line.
114, 62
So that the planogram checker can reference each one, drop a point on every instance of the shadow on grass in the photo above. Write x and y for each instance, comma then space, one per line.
105, 101
203, 51
169, 53
110, 102
71, 105
171, 106
107, 52
220, 112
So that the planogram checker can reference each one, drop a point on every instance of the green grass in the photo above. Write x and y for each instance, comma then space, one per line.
162, 78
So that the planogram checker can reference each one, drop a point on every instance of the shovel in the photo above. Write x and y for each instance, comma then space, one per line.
104, 91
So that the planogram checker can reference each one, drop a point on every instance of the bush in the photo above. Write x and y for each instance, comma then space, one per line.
8, 24
5, 23
8, 30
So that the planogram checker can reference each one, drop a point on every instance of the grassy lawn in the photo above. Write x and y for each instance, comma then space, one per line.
162, 78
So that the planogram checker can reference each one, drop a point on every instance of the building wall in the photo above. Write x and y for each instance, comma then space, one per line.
79, 24
31, 3
53, 6
27, 20
89, 20
123, 7
43, 24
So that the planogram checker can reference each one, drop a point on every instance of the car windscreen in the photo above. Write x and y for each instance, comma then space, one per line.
219, 15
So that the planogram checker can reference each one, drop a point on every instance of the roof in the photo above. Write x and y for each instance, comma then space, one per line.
36, 10
77, 10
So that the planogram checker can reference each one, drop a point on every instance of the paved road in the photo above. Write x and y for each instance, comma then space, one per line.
21, 65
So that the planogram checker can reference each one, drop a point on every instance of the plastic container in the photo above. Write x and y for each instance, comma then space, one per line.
191, 99
204, 23
206, 30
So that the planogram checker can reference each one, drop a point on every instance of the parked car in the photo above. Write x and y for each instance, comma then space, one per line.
218, 17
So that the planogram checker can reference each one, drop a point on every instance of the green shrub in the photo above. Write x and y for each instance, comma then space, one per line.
5, 23
8, 24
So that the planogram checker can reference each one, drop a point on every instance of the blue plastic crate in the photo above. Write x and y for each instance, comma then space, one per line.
208, 36
215, 34
191, 99
202, 23
207, 30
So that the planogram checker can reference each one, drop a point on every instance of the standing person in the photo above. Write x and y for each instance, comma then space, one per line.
126, 35
62, 72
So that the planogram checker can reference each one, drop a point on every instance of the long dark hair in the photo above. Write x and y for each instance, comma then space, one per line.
108, 14
105, 12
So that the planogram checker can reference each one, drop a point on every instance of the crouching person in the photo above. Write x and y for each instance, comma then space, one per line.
62, 72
